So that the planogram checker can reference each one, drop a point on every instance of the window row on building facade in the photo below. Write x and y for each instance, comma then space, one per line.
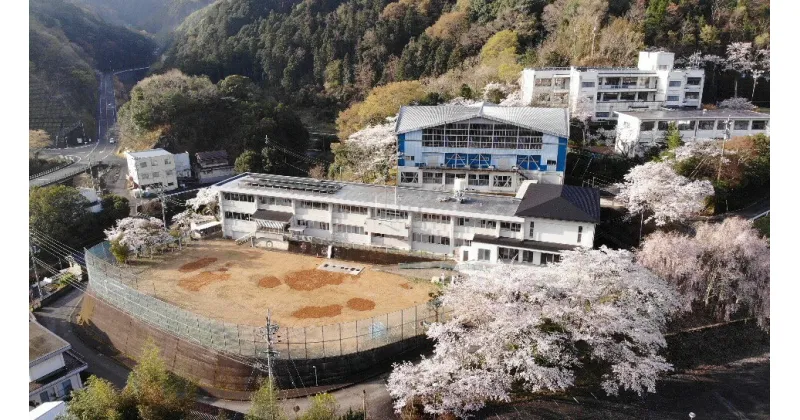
701, 125
486, 136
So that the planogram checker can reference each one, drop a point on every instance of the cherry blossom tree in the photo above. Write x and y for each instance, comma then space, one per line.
369, 153
739, 59
656, 189
139, 234
537, 326
760, 68
737, 103
205, 202
583, 113
724, 265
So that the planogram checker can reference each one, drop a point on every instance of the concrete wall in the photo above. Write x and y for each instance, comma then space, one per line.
226, 378
45, 367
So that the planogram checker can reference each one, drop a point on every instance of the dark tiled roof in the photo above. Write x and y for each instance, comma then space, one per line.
42, 342
71, 363
560, 202
519, 243
212, 158
277, 216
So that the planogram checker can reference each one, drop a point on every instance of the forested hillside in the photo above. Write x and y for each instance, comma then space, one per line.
338, 50
157, 17
67, 45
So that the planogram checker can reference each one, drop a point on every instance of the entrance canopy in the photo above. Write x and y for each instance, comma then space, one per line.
271, 219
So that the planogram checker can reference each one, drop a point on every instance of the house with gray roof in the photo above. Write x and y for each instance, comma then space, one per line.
533, 227
493, 148
53, 368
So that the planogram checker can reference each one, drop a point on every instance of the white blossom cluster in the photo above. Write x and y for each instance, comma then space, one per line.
656, 189
725, 265
139, 233
536, 326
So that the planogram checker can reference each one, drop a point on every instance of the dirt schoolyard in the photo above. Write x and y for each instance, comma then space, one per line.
237, 284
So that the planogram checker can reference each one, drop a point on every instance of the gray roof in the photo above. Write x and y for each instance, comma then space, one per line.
553, 121
519, 243
210, 158
149, 153
43, 343
277, 216
683, 114
561, 202
412, 199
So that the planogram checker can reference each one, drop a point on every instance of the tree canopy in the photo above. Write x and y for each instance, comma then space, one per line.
60, 212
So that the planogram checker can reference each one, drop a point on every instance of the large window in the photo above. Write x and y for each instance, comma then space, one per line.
721, 124
587, 84
693, 81
238, 197
313, 224
462, 242
314, 205
663, 125
505, 136
580, 233
527, 256
602, 114
430, 239
480, 135
457, 135
647, 125
544, 82
390, 214
478, 179
530, 231
686, 125
674, 83
692, 95
741, 125
529, 139
236, 216
450, 179
673, 98
484, 254
502, 181
514, 227
705, 125
359, 230
434, 218
547, 258
507, 254
408, 177
759, 124
431, 177
433, 137
351, 209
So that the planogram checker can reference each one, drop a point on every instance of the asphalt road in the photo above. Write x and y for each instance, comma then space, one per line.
100, 150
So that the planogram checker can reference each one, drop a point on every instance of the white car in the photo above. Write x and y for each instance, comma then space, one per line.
111, 140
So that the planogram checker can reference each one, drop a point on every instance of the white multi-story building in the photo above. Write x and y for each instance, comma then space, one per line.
534, 227
493, 148
152, 169
653, 84
53, 368
639, 131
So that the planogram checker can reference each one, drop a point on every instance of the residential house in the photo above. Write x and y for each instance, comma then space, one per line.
212, 166
152, 169
53, 367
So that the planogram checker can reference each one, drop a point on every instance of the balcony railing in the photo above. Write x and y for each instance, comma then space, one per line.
636, 86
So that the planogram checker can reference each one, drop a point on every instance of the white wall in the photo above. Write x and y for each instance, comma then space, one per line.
45, 367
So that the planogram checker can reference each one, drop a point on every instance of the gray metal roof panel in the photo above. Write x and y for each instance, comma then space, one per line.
42, 343
553, 121
520, 243
560, 202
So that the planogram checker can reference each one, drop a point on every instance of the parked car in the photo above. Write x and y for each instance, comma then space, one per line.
111, 140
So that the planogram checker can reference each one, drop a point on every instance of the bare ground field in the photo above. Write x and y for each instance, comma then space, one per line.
237, 284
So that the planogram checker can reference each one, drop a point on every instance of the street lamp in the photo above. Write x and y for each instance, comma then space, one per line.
316, 383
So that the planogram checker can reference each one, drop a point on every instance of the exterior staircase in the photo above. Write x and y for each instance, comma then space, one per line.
245, 238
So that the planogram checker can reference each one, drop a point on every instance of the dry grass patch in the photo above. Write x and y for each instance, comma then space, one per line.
406, 286
197, 282
318, 311
197, 264
313, 279
269, 282
358, 304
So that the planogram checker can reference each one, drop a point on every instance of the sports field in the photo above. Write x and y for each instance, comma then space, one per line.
237, 284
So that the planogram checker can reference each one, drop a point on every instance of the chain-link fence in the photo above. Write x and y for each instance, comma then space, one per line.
118, 287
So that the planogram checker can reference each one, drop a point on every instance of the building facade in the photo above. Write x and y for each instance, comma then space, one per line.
495, 149
53, 368
183, 166
212, 166
653, 84
152, 169
639, 131
533, 227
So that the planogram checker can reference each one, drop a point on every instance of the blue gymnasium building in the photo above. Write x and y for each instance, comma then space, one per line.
494, 148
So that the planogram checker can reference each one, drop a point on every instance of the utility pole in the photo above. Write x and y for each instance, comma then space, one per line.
722, 155
270, 330
35, 273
